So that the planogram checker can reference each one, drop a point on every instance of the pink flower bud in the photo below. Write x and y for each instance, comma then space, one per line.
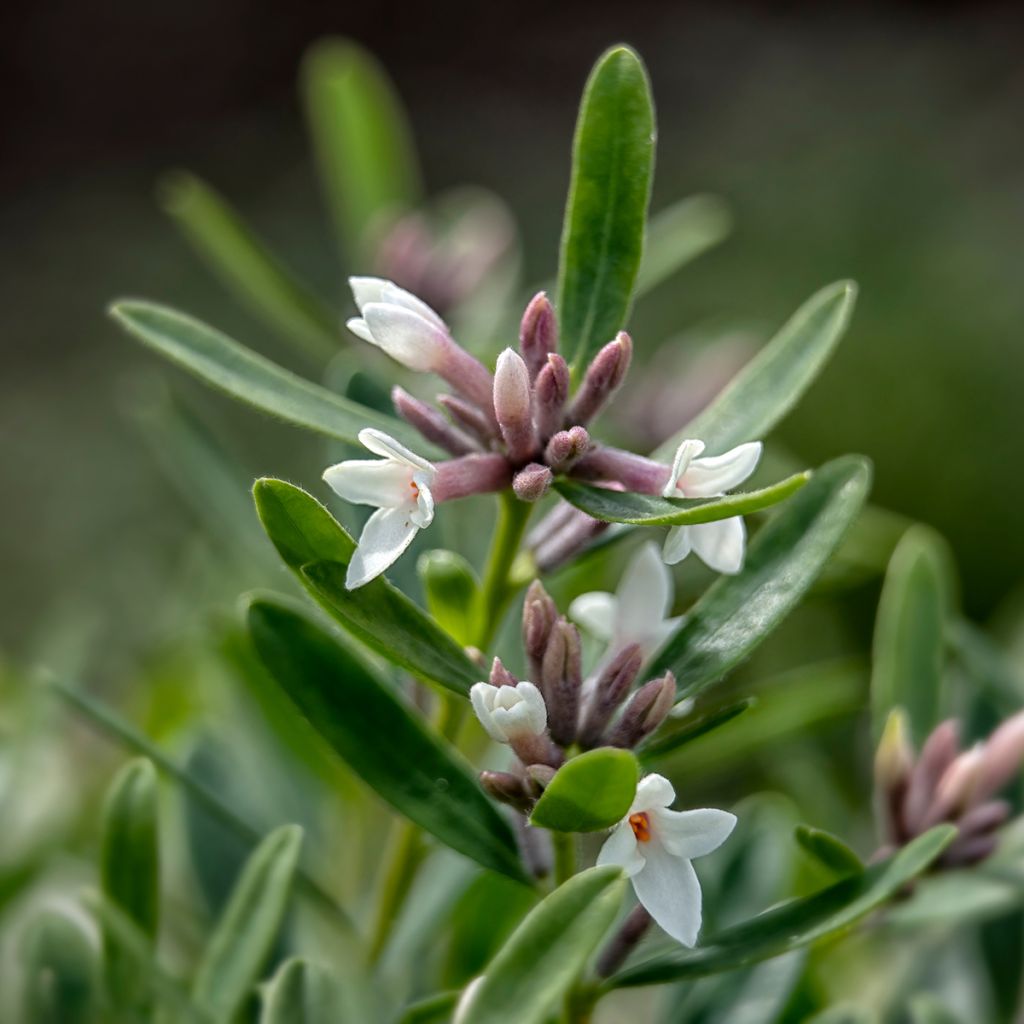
431, 424
507, 788
513, 406
471, 474
468, 416
539, 618
531, 483
937, 754
646, 710
602, 379
562, 680
552, 392
538, 333
610, 691
566, 448
1003, 753
633, 472
500, 676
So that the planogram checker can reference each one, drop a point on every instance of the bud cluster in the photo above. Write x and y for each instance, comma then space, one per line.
915, 792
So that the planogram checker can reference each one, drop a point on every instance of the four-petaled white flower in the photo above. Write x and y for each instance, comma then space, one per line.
655, 845
637, 613
509, 712
399, 323
720, 544
398, 484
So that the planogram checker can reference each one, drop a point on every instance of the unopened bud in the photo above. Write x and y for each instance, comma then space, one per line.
538, 333
470, 417
563, 679
513, 406
470, 474
983, 819
531, 483
540, 775
602, 379
431, 424
566, 448
894, 761
646, 710
610, 691
468, 376
500, 676
938, 753
507, 788
539, 618
969, 852
1003, 753
552, 392
956, 788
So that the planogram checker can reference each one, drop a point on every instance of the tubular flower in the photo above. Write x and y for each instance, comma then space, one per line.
509, 712
719, 545
399, 486
655, 845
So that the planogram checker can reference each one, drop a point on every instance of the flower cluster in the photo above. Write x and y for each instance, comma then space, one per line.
519, 427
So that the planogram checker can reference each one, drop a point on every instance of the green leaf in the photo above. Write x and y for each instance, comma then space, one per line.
62, 984
244, 935
773, 382
317, 549
737, 612
678, 234
603, 230
668, 741
451, 588
829, 851
653, 510
363, 144
435, 1009
909, 644
541, 960
241, 260
304, 993
130, 870
589, 793
380, 738
798, 923
224, 364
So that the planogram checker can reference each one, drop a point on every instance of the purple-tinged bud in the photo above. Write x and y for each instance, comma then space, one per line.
563, 675
984, 818
955, 790
531, 483
539, 617
540, 775
507, 788
646, 710
468, 376
625, 940
470, 474
551, 393
431, 424
966, 853
513, 407
633, 472
610, 691
538, 333
602, 379
894, 761
500, 676
572, 538
468, 416
1002, 756
937, 754
534, 750
566, 448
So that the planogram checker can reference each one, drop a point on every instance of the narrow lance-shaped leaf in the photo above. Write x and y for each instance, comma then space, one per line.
798, 923
605, 214
317, 549
305, 993
541, 960
363, 144
235, 254
243, 937
910, 626
385, 742
668, 740
828, 850
772, 383
590, 792
61, 972
653, 510
788, 554
224, 364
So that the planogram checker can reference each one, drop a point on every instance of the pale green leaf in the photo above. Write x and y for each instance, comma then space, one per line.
590, 792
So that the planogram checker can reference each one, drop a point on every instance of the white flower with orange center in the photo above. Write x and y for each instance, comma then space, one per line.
655, 845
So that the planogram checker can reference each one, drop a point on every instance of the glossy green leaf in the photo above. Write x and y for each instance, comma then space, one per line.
234, 252
435, 1009
668, 740
798, 923
605, 214
768, 387
541, 960
130, 870
590, 792
364, 148
61, 971
317, 549
829, 851
224, 364
451, 588
679, 234
304, 993
788, 554
243, 937
383, 740
653, 510
909, 643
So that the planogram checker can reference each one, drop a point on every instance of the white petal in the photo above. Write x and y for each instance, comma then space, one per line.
400, 297
669, 889
386, 446
517, 720
367, 289
692, 834
371, 482
406, 336
596, 613
387, 533
720, 473
534, 701
423, 515
678, 544
644, 593
358, 326
653, 792
481, 696
720, 545
622, 849
685, 453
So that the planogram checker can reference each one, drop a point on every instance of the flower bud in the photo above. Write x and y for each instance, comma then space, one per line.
539, 618
507, 788
513, 407
562, 674
509, 712
610, 691
938, 753
1003, 753
646, 710
467, 415
956, 788
470, 474
540, 775
500, 676
894, 761
602, 379
431, 424
566, 448
531, 483
551, 392
538, 333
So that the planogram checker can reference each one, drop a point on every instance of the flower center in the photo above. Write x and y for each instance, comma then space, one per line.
641, 826
415, 488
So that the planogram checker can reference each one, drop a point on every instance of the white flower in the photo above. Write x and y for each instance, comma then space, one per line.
509, 712
637, 613
399, 323
398, 484
719, 545
655, 846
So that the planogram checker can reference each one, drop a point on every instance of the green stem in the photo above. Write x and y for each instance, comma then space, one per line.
495, 592
565, 856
